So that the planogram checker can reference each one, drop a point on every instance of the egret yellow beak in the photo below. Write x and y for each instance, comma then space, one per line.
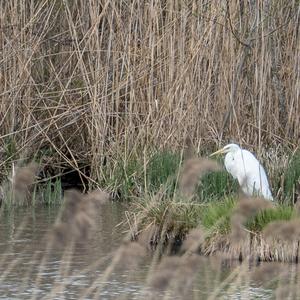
217, 152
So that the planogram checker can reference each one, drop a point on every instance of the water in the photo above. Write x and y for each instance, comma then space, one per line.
25, 273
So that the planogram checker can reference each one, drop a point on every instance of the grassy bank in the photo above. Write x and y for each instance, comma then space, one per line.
228, 222
172, 197
142, 176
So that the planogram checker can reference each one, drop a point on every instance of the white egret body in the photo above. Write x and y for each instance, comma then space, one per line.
244, 166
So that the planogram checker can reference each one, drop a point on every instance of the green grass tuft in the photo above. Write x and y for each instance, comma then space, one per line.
162, 167
292, 175
124, 178
48, 194
216, 185
263, 218
216, 215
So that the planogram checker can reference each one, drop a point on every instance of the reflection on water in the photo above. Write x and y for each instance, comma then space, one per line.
28, 271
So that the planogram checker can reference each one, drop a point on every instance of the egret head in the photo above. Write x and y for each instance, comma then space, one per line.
228, 148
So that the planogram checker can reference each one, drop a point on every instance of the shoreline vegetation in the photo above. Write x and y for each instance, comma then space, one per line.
183, 203
231, 224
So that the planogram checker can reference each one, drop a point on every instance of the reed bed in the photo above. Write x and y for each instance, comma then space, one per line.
84, 83
97, 86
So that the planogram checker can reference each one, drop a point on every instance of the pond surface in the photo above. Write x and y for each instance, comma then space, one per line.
28, 271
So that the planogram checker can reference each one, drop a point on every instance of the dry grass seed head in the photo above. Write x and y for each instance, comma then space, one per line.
131, 254
98, 197
61, 234
186, 274
189, 150
248, 207
24, 179
238, 233
72, 200
288, 231
149, 236
193, 240
190, 264
83, 225
192, 170
159, 281
165, 272
79, 216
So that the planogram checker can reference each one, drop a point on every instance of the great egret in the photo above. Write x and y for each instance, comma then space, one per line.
244, 166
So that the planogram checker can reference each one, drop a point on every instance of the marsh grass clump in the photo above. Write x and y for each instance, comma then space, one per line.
245, 209
134, 177
25, 187
175, 215
230, 226
215, 216
123, 177
49, 193
161, 169
292, 177
215, 186
285, 177
258, 222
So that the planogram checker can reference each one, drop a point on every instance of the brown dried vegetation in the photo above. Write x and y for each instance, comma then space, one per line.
199, 68
192, 170
193, 240
165, 272
286, 231
23, 181
175, 274
131, 254
78, 216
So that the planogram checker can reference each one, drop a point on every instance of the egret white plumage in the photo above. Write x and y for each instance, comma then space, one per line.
244, 166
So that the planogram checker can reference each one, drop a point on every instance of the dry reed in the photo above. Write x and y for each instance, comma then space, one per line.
86, 81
